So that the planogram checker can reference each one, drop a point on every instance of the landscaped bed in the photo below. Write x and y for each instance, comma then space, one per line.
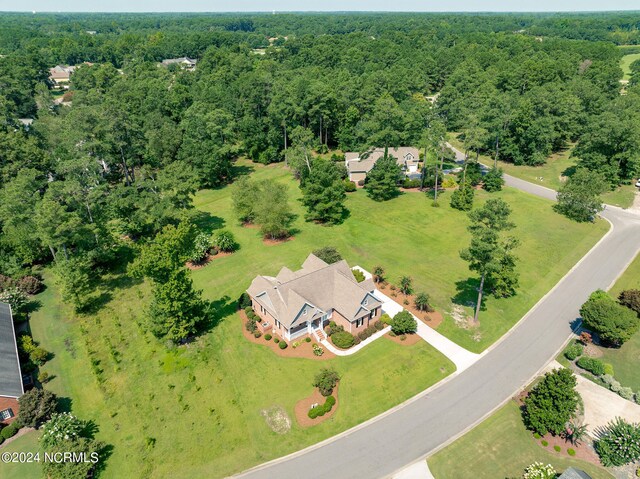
304, 405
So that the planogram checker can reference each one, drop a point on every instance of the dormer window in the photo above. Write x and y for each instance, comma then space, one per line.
304, 311
365, 301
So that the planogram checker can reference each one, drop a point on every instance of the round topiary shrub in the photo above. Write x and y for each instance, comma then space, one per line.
342, 339
404, 323
276, 340
282, 345
257, 334
574, 351
571, 452
9, 431
307, 339
557, 448
536, 435
544, 443
267, 337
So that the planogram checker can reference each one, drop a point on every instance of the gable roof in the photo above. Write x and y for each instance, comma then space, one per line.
404, 155
572, 473
317, 284
10, 374
187, 60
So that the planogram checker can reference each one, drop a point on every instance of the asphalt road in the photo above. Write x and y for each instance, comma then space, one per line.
385, 445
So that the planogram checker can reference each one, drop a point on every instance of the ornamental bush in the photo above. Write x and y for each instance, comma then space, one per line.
358, 275
30, 284
342, 339
282, 345
571, 452
326, 380
60, 428
551, 403
594, 366
267, 337
317, 350
574, 351
307, 339
251, 326
631, 299
36, 407
404, 323
257, 334
349, 186
201, 247
225, 241
618, 443
244, 301
614, 323
322, 409
9, 431
423, 302
379, 325
385, 319
538, 470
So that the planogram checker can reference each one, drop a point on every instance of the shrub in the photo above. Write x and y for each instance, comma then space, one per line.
248, 310
544, 443
571, 452
406, 285
36, 407
551, 403
406, 302
557, 448
322, 409
379, 325
403, 337
15, 297
307, 339
618, 443
43, 377
334, 328
39, 356
631, 299
9, 431
326, 380
267, 337
30, 284
251, 326
493, 180
282, 345
385, 319
594, 366
614, 323
573, 351
60, 429
408, 183
358, 275
404, 323
225, 241
244, 301
356, 340
360, 183
201, 246
392, 287
317, 350
449, 182
378, 274
257, 334
585, 338
328, 254
349, 186
342, 339
276, 340
538, 470
608, 369
626, 393
423, 302
536, 435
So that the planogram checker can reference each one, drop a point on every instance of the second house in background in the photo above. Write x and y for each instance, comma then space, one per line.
359, 164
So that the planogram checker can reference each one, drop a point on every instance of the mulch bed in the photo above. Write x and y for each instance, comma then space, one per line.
305, 350
410, 339
302, 408
207, 260
271, 241
430, 319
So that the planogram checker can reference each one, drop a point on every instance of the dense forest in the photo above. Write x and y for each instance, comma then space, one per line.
120, 157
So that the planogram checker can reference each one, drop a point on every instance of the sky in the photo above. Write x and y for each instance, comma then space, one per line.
315, 5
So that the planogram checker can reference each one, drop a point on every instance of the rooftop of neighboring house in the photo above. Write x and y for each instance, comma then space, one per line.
572, 473
171, 61
312, 291
10, 374
364, 162
61, 71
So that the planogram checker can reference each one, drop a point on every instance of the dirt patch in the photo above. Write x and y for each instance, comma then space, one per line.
460, 317
210, 257
277, 419
584, 451
432, 319
303, 350
410, 339
593, 351
304, 405
272, 242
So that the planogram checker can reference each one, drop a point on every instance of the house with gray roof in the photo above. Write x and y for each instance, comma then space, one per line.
294, 304
573, 473
184, 62
359, 164
11, 387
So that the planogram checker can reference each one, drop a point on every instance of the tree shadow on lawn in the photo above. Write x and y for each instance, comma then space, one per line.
569, 171
467, 293
207, 222
219, 309
64, 404
241, 170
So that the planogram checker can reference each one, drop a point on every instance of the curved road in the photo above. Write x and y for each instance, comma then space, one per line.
418, 428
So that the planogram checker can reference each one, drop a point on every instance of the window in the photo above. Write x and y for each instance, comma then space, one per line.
359, 322
366, 300
6, 414
304, 311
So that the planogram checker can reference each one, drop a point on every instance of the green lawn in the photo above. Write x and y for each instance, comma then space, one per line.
201, 404
500, 447
626, 360
553, 174
26, 443
626, 62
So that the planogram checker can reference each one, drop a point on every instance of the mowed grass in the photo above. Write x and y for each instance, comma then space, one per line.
17, 470
554, 173
197, 409
407, 236
501, 447
625, 64
626, 359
